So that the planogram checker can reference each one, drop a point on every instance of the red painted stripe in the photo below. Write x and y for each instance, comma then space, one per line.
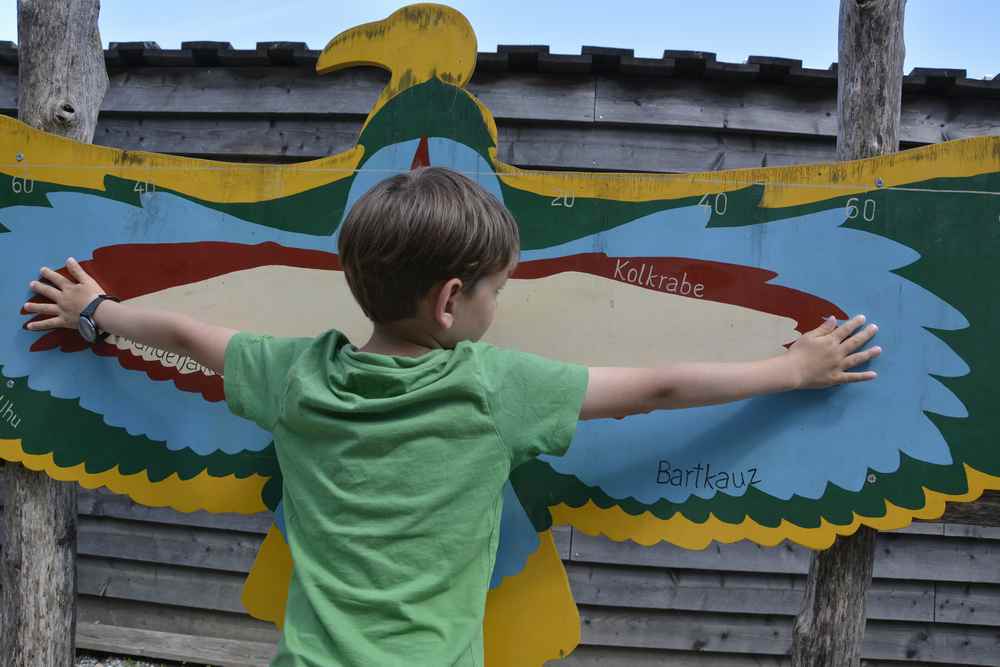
132, 270
697, 279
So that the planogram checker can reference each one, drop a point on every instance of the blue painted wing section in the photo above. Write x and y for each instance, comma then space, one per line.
75, 225
518, 538
792, 443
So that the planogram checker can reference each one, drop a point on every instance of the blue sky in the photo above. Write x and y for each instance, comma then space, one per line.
939, 33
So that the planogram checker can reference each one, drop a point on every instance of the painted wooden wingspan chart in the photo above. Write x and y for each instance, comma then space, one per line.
616, 269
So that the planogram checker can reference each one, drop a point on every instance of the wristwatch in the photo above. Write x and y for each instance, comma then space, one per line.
87, 326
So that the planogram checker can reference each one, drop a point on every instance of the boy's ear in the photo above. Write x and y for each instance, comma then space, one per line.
444, 303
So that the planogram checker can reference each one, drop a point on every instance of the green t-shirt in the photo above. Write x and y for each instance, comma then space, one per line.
393, 473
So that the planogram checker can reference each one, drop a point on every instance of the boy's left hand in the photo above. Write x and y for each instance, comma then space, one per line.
69, 297
824, 356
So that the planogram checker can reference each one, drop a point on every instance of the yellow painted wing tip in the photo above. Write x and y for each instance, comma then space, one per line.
265, 592
531, 617
202, 492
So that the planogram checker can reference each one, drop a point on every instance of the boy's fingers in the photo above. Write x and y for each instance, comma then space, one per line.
858, 340
861, 357
849, 378
42, 289
848, 327
41, 308
51, 323
53, 277
829, 324
77, 272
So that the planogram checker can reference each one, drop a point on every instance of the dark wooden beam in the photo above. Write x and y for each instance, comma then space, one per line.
830, 628
61, 84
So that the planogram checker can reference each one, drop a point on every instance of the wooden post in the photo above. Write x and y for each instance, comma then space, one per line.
830, 629
61, 83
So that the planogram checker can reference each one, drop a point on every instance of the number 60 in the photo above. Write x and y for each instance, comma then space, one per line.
867, 211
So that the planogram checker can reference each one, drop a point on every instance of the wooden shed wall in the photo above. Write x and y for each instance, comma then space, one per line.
159, 583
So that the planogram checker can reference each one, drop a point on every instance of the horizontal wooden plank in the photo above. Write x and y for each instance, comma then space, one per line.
609, 656
766, 635
300, 138
716, 105
920, 528
644, 149
536, 97
243, 90
160, 584
169, 646
770, 635
937, 558
983, 512
991, 532
898, 556
173, 619
742, 556
763, 108
937, 643
167, 544
967, 603
727, 592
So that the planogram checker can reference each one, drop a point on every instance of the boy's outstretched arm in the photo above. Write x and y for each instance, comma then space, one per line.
205, 343
820, 358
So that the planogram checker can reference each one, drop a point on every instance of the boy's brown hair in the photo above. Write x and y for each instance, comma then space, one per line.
417, 229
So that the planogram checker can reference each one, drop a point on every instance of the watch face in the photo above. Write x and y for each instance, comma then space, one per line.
88, 329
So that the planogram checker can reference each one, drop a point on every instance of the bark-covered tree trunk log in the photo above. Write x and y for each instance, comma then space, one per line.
61, 83
830, 629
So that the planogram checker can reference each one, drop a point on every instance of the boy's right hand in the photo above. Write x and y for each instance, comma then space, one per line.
820, 358
823, 356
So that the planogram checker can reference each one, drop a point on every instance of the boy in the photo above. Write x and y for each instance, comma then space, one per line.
394, 454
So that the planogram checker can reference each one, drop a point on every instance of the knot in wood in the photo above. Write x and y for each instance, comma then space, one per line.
65, 114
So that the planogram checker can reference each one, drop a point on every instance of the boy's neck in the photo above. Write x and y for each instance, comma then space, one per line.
405, 338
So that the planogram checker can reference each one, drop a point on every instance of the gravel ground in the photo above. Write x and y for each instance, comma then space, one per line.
96, 660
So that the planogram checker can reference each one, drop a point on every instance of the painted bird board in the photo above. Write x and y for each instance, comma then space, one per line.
616, 269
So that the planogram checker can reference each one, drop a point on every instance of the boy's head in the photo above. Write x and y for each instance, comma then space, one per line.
428, 238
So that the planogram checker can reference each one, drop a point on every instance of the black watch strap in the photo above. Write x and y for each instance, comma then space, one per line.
91, 308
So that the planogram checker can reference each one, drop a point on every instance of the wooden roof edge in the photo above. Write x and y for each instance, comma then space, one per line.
537, 58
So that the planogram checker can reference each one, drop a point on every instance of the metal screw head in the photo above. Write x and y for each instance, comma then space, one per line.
19, 157
872, 478
10, 384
